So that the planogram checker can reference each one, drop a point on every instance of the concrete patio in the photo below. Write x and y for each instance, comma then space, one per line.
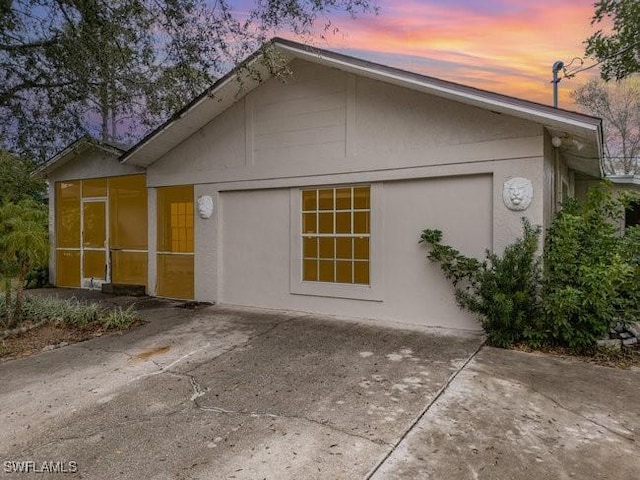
221, 392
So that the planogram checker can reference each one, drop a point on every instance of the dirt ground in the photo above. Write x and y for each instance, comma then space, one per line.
47, 335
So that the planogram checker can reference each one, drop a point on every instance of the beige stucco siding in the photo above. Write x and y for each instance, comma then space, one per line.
305, 117
321, 121
92, 164
391, 119
440, 164
256, 236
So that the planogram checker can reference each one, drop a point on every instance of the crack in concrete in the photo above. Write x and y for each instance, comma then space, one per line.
199, 391
326, 424
250, 339
257, 414
103, 429
424, 411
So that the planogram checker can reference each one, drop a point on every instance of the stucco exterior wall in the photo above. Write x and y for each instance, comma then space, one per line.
441, 165
256, 237
322, 121
437, 163
243, 252
92, 164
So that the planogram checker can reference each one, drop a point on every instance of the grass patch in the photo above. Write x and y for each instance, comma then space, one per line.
74, 313
49, 322
120, 318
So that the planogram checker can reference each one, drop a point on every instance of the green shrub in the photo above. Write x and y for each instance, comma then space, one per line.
589, 281
73, 312
24, 244
590, 272
119, 318
502, 290
38, 277
629, 300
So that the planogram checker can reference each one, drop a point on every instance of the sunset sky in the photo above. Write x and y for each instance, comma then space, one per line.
505, 46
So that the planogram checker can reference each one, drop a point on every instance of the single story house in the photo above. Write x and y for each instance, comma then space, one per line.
309, 192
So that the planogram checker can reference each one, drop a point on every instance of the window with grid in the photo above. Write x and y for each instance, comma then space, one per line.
182, 227
336, 235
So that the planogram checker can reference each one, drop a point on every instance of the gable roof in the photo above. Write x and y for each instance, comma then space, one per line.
77, 147
585, 129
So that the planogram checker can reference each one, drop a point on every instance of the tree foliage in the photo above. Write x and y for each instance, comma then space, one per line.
618, 104
16, 180
619, 49
24, 245
125, 64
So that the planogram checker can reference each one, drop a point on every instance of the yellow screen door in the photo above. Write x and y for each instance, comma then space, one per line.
95, 267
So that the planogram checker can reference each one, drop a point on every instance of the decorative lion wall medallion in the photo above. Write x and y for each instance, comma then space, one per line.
205, 206
517, 193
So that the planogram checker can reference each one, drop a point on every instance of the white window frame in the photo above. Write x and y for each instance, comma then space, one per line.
372, 292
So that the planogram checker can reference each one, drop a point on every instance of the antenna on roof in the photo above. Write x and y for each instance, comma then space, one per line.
557, 66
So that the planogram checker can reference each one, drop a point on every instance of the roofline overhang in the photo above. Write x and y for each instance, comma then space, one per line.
75, 147
441, 88
219, 84
624, 179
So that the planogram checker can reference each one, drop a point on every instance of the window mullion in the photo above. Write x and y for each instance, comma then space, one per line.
353, 241
339, 240
335, 229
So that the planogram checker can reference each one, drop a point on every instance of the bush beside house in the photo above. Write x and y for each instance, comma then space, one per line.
584, 284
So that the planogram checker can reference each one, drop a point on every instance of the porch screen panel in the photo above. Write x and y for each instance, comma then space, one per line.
175, 276
175, 242
94, 187
68, 214
94, 264
94, 227
128, 229
129, 267
67, 202
68, 268
128, 212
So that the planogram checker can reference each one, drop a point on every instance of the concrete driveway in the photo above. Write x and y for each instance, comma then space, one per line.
243, 393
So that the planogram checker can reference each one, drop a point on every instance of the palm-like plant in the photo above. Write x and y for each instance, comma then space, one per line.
24, 244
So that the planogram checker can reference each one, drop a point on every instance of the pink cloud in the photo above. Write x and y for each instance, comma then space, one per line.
506, 46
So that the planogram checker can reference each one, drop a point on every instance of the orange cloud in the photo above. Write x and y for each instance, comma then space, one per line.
507, 46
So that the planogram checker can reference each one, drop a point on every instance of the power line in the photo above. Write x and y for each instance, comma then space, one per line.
579, 70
